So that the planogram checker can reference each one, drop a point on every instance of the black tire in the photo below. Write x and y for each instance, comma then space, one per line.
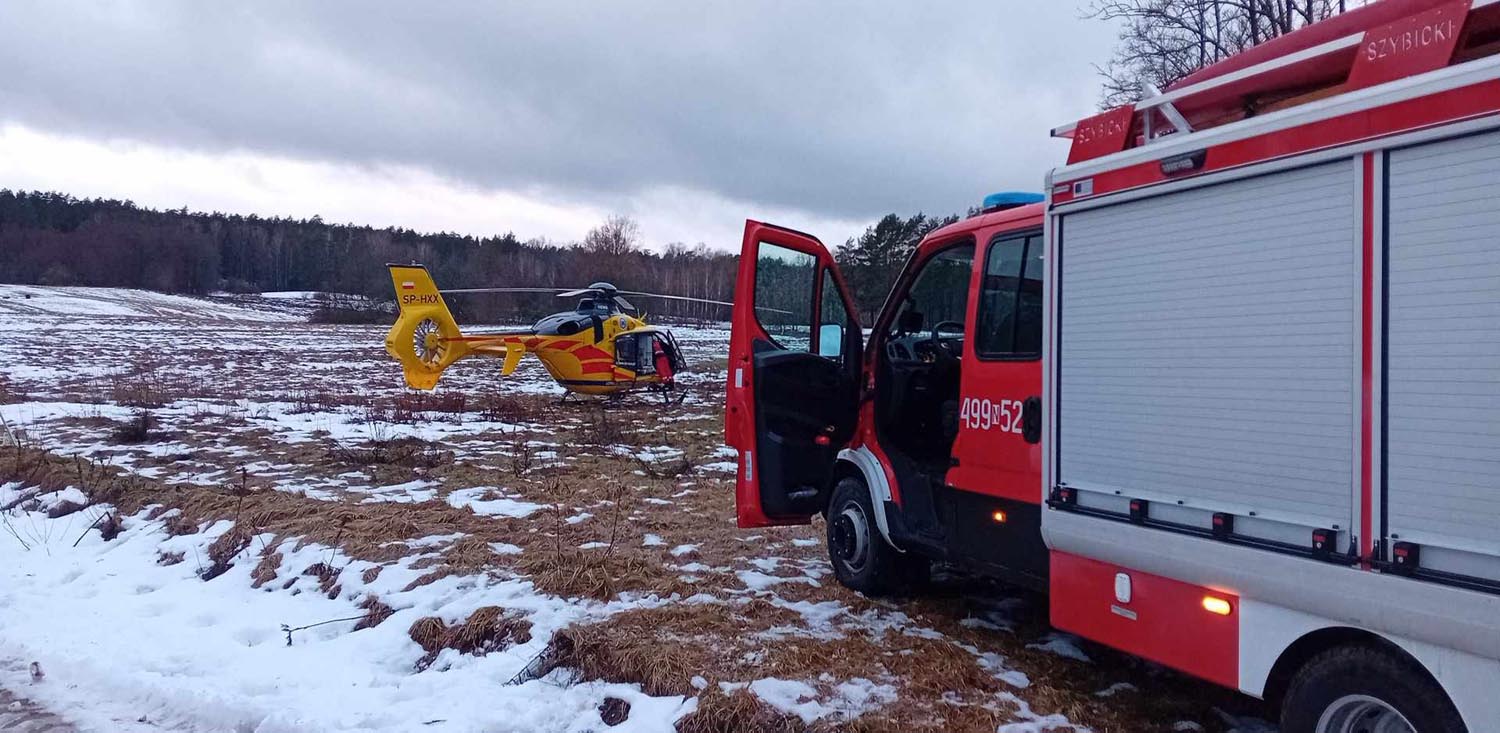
862, 560
1341, 681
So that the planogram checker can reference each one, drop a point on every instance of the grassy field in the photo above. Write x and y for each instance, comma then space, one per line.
346, 554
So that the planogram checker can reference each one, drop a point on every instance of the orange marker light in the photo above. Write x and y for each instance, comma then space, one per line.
999, 517
1217, 606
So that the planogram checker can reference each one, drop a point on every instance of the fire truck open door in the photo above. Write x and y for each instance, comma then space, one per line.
794, 368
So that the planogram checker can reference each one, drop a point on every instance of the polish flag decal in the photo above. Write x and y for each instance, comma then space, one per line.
408, 285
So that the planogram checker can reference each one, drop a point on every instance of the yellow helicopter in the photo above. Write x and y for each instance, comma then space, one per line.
601, 347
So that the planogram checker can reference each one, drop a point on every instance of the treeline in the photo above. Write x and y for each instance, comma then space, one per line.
56, 239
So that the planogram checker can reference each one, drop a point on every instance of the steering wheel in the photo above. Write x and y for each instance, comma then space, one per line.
936, 339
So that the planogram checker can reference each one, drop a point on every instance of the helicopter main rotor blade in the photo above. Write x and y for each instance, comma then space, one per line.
500, 290
621, 301
676, 297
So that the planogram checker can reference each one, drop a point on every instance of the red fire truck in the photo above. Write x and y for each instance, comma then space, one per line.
1230, 394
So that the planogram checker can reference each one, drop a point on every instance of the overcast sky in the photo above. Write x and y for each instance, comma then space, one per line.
544, 117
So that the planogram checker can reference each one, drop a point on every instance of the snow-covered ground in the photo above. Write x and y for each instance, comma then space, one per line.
36, 300
305, 545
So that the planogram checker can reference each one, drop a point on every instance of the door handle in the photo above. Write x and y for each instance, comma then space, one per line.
1031, 419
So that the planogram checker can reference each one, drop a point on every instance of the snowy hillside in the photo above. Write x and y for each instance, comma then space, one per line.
39, 300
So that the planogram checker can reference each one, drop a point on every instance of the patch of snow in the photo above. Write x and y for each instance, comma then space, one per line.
1063, 645
82, 612
499, 507
848, 699
1115, 689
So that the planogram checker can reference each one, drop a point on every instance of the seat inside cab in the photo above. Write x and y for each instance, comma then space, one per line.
920, 359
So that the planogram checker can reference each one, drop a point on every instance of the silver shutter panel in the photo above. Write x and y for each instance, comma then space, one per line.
1443, 342
1207, 346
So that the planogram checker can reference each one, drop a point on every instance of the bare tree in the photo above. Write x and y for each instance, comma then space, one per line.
618, 235
1162, 41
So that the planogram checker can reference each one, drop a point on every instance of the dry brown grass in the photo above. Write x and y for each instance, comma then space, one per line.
511, 408
328, 578
405, 451
223, 551
737, 712
487, 630
376, 612
265, 570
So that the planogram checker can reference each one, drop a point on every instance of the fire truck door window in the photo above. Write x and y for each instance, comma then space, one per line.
784, 295
1010, 300
832, 319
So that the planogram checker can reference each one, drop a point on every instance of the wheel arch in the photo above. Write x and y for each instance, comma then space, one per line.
860, 463
1313, 643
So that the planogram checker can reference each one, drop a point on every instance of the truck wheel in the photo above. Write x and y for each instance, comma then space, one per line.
1362, 689
862, 560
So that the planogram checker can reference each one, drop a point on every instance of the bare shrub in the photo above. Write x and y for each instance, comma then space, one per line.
522, 456
601, 429
138, 429
140, 386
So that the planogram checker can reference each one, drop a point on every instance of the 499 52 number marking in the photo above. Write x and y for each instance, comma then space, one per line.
982, 414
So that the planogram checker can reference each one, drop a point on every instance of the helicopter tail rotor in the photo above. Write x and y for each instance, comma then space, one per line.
425, 338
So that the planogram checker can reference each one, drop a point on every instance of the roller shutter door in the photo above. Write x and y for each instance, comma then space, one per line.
1443, 344
1206, 347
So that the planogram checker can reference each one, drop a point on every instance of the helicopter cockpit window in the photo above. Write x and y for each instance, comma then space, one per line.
627, 352
784, 287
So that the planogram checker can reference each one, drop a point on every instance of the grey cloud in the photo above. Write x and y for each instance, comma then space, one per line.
839, 109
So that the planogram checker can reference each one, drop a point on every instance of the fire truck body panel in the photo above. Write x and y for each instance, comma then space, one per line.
1271, 359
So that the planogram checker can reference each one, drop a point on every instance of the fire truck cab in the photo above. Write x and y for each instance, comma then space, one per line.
922, 442
1230, 394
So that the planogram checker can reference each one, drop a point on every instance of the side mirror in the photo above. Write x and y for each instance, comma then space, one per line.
831, 340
